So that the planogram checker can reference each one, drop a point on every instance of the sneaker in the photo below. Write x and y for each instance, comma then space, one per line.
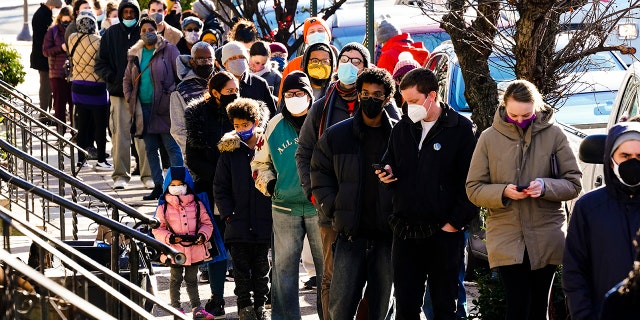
92, 153
119, 184
149, 184
262, 313
247, 313
215, 306
311, 283
103, 166
204, 277
83, 164
201, 313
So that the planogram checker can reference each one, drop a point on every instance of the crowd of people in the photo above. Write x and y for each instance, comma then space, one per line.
353, 154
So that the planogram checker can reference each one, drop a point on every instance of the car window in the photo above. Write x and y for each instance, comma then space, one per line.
629, 103
430, 40
441, 71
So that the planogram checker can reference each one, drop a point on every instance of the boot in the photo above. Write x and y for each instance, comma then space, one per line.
262, 313
247, 313
215, 306
155, 193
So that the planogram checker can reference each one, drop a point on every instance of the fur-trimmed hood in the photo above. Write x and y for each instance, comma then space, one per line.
231, 141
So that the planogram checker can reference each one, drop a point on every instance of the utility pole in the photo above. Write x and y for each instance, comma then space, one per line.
25, 34
370, 34
314, 8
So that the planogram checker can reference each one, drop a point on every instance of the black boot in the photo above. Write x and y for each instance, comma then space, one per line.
155, 193
215, 306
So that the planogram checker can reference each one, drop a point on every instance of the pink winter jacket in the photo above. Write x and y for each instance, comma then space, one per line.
181, 216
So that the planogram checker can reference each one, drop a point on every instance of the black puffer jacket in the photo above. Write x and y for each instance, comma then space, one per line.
40, 22
324, 113
430, 189
337, 178
206, 123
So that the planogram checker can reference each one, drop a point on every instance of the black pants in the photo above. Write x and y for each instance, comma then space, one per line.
250, 273
92, 123
435, 260
527, 291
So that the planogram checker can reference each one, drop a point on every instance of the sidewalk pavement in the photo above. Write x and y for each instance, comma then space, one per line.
14, 4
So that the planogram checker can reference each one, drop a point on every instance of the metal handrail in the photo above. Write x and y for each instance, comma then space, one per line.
176, 256
38, 236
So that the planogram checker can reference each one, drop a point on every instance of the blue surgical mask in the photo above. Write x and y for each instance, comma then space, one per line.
247, 134
317, 37
129, 23
101, 17
347, 73
280, 61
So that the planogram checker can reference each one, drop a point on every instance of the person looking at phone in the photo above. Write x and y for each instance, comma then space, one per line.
512, 175
346, 189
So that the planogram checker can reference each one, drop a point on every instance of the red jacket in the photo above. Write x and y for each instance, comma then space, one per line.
398, 44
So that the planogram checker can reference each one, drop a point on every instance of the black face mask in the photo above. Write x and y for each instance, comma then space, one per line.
371, 107
203, 72
65, 24
225, 99
630, 172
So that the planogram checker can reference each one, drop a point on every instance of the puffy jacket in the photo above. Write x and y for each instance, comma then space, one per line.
178, 215
84, 56
111, 62
163, 75
398, 44
430, 187
246, 211
40, 22
272, 77
599, 249
505, 155
275, 160
324, 113
337, 177
190, 87
52, 49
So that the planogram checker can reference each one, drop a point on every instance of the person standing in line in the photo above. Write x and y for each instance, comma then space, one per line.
512, 175
191, 31
157, 11
430, 147
111, 63
149, 80
42, 19
260, 65
78, 5
294, 217
346, 188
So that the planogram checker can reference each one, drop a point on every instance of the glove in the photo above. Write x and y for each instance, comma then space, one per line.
271, 185
173, 239
200, 239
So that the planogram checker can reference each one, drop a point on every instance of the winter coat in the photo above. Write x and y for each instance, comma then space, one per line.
179, 213
275, 160
40, 22
254, 87
430, 187
52, 49
506, 155
245, 211
183, 47
324, 113
172, 34
163, 75
337, 177
190, 87
84, 56
111, 62
398, 44
598, 251
205, 125
272, 77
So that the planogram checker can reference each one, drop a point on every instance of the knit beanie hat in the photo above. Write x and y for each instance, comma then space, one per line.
55, 3
386, 30
233, 48
405, 64
278, 47
308, 22
189, 20
259, 48
629, 135
360, 48
202, 8
86, 22
297, 80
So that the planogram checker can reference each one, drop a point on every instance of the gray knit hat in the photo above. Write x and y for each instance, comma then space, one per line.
55, 3
629, 135
203, 8
86, 22
386, 30
233, 48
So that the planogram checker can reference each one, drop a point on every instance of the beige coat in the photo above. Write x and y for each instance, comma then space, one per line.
505, 156
84, 56
172, 34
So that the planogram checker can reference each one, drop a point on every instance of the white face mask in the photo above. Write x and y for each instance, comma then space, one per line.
616, 171
192, 37
296, 105
180, 190
416, 112
115, 20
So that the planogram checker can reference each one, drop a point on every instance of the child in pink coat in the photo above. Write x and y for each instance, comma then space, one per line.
184, 225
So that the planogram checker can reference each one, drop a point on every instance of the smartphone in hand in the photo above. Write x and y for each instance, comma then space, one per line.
521, 188
377, 166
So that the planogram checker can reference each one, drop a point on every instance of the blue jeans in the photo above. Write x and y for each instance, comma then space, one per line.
152, 147
288, 239
357, 263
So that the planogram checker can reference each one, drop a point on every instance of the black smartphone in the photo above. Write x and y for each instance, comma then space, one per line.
521, 188
380, 167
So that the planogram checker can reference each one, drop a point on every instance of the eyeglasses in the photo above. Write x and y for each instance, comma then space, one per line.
325, 62
203, 61
230, 91
192, 29
292, 94
366, 96
354, 61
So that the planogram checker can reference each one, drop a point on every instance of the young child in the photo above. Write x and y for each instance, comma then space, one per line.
246, 211
185, 226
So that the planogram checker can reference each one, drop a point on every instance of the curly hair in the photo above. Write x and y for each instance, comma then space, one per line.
243, 31
378, 76
245, 109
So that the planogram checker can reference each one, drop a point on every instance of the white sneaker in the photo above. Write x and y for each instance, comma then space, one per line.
103, 166
149, 184
119, 184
